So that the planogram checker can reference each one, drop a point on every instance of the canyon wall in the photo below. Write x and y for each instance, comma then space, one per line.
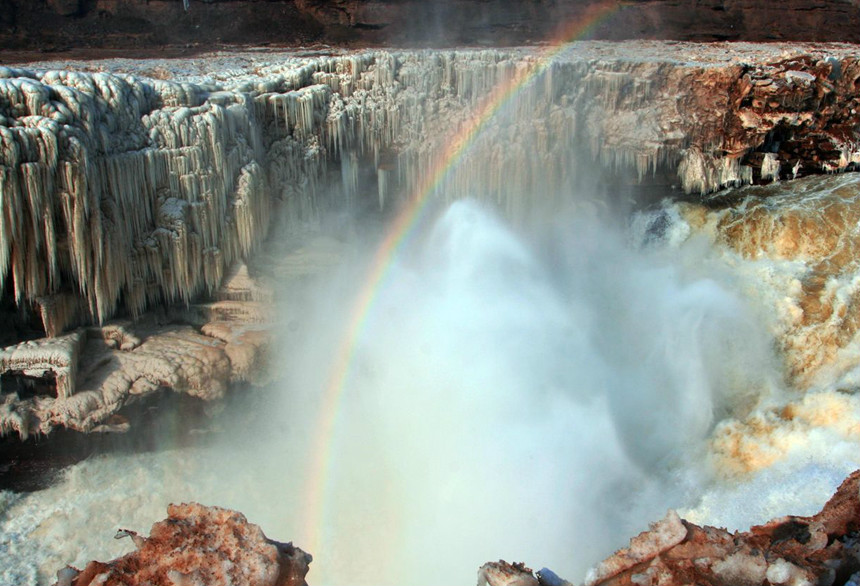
66, 24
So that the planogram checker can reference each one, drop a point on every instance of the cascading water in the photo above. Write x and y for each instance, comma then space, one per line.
531, 371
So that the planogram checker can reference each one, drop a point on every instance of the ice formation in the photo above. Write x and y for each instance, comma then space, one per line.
125, 191
117, 189
95, 370
121, 193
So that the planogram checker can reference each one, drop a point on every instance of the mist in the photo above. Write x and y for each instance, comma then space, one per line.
536, 395
537, 392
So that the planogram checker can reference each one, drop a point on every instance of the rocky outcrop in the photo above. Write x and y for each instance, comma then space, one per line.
79, 380
198, 545
822, 549
61, 24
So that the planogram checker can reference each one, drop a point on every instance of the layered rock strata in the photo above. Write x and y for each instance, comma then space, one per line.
63, 24
198, 545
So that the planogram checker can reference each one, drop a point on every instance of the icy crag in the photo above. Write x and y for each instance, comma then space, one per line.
155, 186
821, 549
97, 370
198, 545
128, 186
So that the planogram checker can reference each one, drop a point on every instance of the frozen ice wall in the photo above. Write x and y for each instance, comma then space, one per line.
530, 384
122, 191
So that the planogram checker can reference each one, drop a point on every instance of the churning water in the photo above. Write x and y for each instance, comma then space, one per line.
534, 394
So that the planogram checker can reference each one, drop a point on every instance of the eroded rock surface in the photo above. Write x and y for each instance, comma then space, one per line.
822, 549
63, 24
90, 374
198, 545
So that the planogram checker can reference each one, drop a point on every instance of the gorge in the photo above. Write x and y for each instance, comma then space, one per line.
515, 302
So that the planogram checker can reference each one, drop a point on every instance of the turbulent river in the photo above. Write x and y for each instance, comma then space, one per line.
500, 384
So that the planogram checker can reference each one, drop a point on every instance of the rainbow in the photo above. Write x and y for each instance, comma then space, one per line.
397, 234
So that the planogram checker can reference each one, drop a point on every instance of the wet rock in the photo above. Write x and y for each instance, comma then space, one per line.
198, 545
807, 234
502, 573
788, 550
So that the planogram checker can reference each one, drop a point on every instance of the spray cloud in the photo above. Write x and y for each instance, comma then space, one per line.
518, 395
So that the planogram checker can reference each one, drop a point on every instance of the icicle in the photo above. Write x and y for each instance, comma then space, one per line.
770, 167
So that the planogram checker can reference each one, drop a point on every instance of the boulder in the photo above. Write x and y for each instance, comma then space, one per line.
198, 545
821, 549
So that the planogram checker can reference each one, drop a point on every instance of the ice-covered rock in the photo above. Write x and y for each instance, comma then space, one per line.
502, 573
821, 549
84, 377
120, 190
198, 545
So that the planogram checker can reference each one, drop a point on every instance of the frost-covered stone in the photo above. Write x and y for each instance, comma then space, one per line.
661, 536
502, 573
791, 550
198, 545
96, 370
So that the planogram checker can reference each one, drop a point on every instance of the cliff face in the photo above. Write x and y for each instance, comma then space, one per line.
63, 24
125, 192
153, 187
